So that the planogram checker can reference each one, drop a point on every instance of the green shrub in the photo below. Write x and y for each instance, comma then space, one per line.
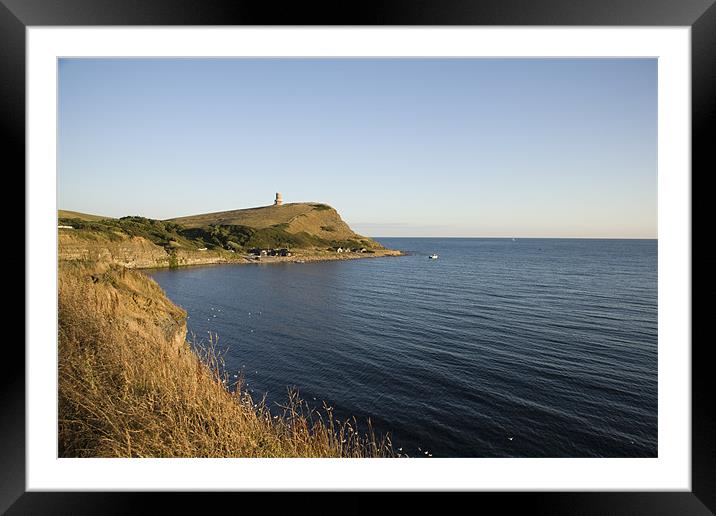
171, 235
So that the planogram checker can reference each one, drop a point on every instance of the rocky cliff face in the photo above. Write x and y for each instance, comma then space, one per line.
131, 252
184, 257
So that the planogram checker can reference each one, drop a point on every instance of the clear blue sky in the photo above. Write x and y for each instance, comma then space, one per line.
401, 147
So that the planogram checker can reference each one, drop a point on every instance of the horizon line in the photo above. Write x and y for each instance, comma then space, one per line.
528, 237
409, 236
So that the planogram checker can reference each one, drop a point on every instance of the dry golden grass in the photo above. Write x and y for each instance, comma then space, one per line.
131, 386
66, 214
260, 217
298, 217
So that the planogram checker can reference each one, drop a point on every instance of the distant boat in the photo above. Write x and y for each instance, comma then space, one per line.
433, 256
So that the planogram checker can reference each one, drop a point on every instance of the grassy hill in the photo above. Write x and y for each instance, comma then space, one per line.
296, 225
66, 214
310, 227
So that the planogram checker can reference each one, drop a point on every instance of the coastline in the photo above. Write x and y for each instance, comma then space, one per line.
140, 253
299, 257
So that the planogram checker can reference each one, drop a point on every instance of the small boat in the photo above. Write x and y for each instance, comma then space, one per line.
433, 256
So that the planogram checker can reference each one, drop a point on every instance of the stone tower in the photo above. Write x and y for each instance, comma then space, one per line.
279, 199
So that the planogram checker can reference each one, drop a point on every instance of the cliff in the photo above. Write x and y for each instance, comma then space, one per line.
133, 252
124, 250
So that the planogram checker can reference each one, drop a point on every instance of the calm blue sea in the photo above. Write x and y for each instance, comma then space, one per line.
500, 348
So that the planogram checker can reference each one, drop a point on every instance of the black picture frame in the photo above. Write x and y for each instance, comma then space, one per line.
700, 15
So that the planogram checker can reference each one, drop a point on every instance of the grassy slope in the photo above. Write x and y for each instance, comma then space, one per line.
66, 214
161, 233
131, 386
262, 217
318, 220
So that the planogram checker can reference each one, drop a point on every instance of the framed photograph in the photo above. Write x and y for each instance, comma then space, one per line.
414, 249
